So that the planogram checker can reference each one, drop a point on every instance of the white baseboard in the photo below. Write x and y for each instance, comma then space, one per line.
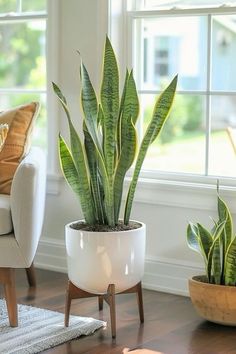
51, 255
166, 275
169, 275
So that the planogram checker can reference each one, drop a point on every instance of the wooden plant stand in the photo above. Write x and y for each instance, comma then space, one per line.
73, 292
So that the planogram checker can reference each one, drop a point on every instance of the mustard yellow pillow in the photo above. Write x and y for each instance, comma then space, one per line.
17, 144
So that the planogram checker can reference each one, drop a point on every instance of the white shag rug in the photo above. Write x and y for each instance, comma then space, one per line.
40, 329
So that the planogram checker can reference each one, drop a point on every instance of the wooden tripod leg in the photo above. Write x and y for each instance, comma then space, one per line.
30, 272
74, 292
7, 275
140, 301
111, 301
67, 304
100, 302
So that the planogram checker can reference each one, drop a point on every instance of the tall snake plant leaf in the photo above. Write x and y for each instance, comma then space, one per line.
101, 129
230, 264
90, 106
91, 153
130, 106
121, 112
193, 239
213, 254
107, 199
110, 106
215, 224
225, 215
78, 155
80, 163
76, 181
93, 117
128, 151
127, 138
62, 99
217, 263
205, 241
215, 257
77, 149
160, 114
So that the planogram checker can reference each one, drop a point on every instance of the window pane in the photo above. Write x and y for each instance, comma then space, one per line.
8, 6
40, 129
222, 158
29, 5
181, 145
22, 60
167, 46
224, 53
157, 4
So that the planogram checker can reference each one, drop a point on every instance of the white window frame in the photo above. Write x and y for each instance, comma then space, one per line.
54, 175
51, 17
121, 32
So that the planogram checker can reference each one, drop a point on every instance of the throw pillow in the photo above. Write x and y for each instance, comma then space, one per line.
20, 121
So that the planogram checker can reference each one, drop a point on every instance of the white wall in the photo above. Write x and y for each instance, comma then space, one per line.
165, 209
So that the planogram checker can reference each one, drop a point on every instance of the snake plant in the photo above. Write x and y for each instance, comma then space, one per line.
217, 246
96, 167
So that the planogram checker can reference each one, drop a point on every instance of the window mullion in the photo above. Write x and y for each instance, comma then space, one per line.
208, 97
135, 61
19, 6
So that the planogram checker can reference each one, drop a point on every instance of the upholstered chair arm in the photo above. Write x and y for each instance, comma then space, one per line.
27, 201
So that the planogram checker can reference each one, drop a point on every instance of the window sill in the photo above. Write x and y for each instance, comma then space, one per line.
181, 194
199, 196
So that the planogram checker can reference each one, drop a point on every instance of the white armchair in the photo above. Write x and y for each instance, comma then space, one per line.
21, 220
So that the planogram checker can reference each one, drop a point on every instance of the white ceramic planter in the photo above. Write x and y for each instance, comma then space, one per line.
97, 259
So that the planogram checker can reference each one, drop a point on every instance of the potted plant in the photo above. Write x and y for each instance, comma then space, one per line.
104, 248
214, 294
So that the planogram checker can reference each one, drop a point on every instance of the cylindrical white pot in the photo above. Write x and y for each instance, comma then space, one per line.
97, 259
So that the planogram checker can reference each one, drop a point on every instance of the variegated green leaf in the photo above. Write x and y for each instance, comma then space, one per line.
131, 101
91, 153
213, 229
205, 240
108, 198
121, 112
78, 155
77, 182
230, 264
193, 239
128, 151
160, 114
225, 215
124, 92
59, 93
90, 106
217, 262
110, 107
101, 129
216, 240
130, 105
62, 99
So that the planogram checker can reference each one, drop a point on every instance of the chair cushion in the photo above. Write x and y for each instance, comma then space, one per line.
20, 121
5, 215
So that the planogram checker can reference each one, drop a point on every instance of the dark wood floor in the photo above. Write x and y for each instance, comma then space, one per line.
171, 324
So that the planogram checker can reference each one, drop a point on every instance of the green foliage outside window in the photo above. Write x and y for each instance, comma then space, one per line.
23, 62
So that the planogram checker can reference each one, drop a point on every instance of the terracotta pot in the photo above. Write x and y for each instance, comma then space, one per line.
97, 259
215, 303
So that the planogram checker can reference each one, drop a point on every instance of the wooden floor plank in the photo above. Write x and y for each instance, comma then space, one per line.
171, 324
